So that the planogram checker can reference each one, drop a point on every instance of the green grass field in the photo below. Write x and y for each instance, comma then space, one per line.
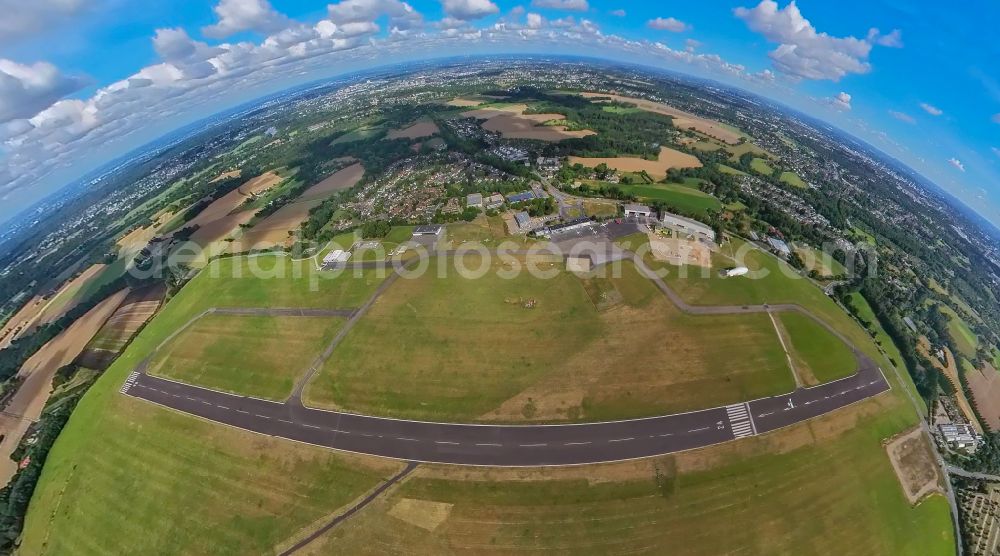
770, 281
736, 151
683, 197
823, 263
821, 354
730, 170
761, 166
792, 179
600, 209
803, 491
965, 339
126, 476
250, 355
864, 311
469, 349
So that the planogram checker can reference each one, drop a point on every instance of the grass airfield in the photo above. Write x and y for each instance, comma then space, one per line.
127, 476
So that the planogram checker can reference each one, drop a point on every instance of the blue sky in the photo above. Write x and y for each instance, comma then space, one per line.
84, 81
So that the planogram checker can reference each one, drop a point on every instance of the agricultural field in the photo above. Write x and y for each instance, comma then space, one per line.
277, 229
528, 349
821, 487
422, 128
137, 308
250, 355
512, 123
817, 353
38, 371
985, 386
680, 197
668, 158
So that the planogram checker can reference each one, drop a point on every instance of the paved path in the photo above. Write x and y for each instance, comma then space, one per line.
516, 445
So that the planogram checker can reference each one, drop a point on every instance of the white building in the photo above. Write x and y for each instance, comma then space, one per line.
336, 256
779, 246
474, 200
638, 210
960, 435
687, 226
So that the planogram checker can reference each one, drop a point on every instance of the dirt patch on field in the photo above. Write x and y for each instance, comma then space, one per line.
669, 158
219, 219
985, 386
338, 181
682, 120
423, 513
463, 102
276, 229
512, 123
913, 460
679, 251
424, 128
225, 176
950, 370
21, 320
37, 373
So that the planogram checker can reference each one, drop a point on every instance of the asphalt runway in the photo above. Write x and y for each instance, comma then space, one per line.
515, 445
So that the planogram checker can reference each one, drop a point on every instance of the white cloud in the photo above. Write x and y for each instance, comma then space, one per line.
931, 109
691, 45
802, 51
902, 116
22, 18
27, 89
893, 40
401, 15
236, 16
668, 24
618, 13
841, 101
535, 21
469, 9
569, 5
957, 164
